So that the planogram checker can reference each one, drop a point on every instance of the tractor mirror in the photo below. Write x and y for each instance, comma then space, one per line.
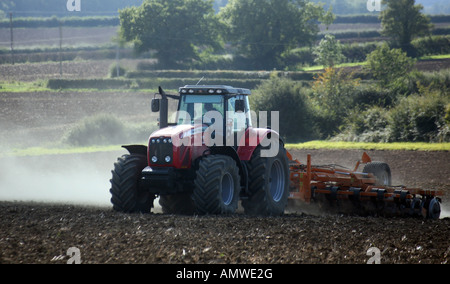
239, 106
155, 105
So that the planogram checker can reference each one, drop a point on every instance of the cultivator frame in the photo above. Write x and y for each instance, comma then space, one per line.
362, 193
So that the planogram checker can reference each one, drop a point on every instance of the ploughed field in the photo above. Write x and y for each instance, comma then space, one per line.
32, 232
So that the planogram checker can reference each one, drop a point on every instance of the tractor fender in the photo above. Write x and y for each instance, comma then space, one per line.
253, 139
136, 149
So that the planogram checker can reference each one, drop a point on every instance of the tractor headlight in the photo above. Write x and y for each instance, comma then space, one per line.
167, 159
154, 159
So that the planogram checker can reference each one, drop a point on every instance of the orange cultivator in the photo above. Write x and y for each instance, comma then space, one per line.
366, 192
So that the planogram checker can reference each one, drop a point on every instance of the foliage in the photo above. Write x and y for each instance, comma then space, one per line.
432, 45
105, 129
291, 100
368, 125
263, 29
174, 28
98, 130
329, 52
389, 65
447, 114
395, 146
332, 97
403, 21
419, 117
116, 71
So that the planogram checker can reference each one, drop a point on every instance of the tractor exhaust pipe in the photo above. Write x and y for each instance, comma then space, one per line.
164, 112
161, 106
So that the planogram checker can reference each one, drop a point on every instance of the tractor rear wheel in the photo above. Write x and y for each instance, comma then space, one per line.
126, 195
217, 185
268, 184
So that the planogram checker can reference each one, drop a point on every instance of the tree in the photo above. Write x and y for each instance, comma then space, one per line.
329, 52
389, 65
175, 29
403, 21
333, 99
292, 102
263, 29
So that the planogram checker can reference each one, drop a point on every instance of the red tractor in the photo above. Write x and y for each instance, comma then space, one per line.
207, 162
213, 157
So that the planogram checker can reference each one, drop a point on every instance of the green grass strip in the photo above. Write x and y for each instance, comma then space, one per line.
398, 146
42, 151
312, 145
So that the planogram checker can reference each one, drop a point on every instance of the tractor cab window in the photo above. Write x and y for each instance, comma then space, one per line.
193, 108
240, 121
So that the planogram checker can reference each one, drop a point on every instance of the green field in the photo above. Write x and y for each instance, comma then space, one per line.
400, 146
312, 145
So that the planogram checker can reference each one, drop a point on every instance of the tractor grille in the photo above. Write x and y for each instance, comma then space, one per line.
161, 151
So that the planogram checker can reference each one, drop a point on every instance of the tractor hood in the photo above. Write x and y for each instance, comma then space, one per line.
180, 134
172, 131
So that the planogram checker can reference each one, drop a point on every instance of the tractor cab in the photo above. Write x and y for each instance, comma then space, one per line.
223, 110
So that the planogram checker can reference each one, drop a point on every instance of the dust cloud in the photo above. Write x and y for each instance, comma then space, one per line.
55, 179
445, 212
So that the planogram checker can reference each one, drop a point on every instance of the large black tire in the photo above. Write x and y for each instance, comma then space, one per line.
217, 186
178, 204
126, 195
381, 171
268, 184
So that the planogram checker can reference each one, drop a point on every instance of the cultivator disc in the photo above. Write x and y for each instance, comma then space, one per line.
363, 193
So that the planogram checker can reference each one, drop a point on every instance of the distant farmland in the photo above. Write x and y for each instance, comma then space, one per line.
34, 37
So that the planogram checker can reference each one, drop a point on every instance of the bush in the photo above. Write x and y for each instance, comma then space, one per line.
419, 118
432, 45
370, 125
370, 95
333, 97
113, 71
329, 52
389, 65
106, 129
291, 100
447, 114
102, 129
357, 52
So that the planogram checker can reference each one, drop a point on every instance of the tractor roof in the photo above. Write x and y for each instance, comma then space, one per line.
213, 89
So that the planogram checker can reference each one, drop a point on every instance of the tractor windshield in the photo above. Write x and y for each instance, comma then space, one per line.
193, 107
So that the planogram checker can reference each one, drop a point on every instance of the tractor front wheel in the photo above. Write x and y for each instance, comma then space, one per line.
217, 185
126, 195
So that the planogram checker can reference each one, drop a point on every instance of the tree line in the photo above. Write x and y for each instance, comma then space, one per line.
258, 33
